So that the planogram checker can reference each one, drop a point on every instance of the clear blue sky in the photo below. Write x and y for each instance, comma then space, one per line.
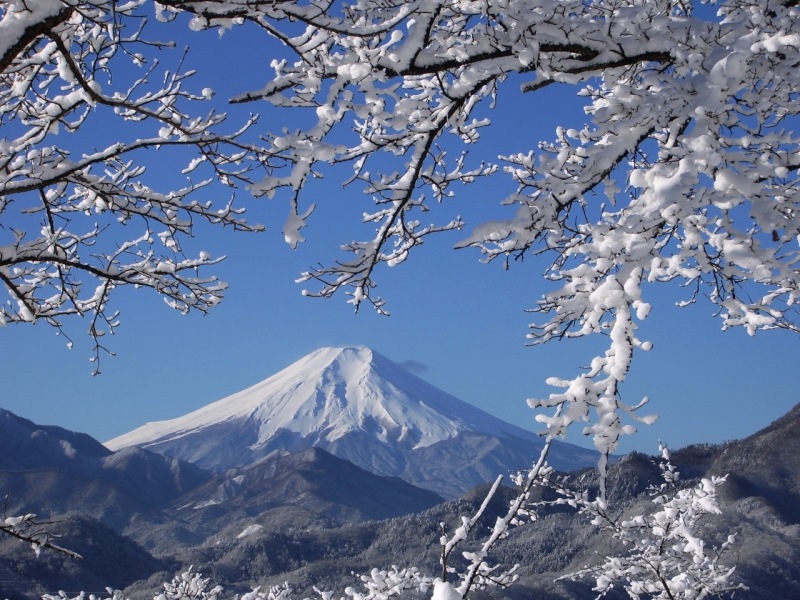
462, 323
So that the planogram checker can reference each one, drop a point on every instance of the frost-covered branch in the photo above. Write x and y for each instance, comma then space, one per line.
683, 169
666, 557
387, 583
85, 107
190, 585
479, 574
27, 528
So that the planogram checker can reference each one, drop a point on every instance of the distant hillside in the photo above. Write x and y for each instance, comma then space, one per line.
109, 560
50, 470
766, 554
312, 479
109, 506
308, 518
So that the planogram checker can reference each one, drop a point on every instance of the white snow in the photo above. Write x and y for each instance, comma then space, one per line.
250, 530
332, 392
445, 591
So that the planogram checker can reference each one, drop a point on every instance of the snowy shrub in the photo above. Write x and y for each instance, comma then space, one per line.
666, 556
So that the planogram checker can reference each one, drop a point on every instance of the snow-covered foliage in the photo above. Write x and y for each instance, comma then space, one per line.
386, 583
112, 595
31, 530
479, 573
666, 556
684, 170
189, 586
85, 104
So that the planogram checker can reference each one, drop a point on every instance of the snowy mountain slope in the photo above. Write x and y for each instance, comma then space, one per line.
26, 445
312, 479
47, 469
358, 405
329, 393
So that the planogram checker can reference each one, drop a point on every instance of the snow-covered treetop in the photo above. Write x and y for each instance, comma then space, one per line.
684, 170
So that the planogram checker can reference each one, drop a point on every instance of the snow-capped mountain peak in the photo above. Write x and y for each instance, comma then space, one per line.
328, 394
358, 405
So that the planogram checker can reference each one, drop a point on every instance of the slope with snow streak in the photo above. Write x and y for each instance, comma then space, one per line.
362, 407
329, 393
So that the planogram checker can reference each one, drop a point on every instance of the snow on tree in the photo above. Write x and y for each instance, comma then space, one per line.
666, 556
79, 217
112, 595
190, 585
684, 170
34, 531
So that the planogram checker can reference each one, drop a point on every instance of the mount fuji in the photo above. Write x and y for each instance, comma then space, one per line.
360, 406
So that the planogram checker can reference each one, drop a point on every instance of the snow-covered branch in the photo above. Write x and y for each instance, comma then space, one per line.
666, 557
79, 216
27, 528
684, 168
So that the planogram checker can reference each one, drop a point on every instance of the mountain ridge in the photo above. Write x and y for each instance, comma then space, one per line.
313, 479
360, 406
278, 525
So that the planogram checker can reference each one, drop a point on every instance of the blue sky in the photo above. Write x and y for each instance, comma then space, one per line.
462, 324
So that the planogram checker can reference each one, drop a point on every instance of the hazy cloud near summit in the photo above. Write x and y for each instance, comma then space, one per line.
415, 366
